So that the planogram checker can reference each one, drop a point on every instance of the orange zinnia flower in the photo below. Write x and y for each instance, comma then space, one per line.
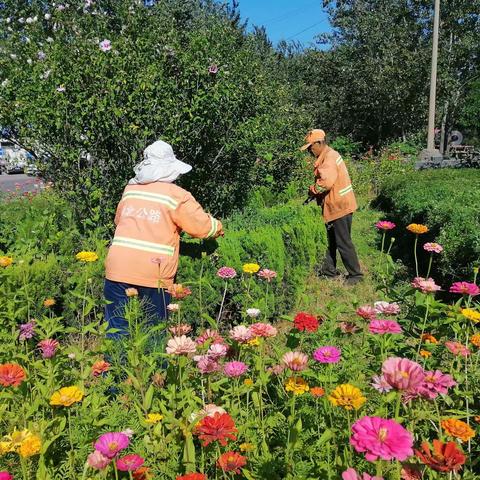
317, 391
231, 462
476, 339
458, 429
100, 367
446, 457
220, 427
49, 302
417, 228
178, 291
425, 353
428, 338
11, 375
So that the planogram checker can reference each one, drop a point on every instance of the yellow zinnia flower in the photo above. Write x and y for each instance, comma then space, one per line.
247, 447
49, 302
254, 342
347, 396
67, 396
87, 256
153, 418
471, 314
5, 261
297, 385
6, 447
15, 439
417, 228
251, 268
248, 382
30, 446
425, 353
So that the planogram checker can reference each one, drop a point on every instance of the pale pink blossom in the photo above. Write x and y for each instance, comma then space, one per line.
181, 329
181, 346
433, 247
381, 327
241, 334
97, 460
263, 330
386, 308
296, 361
402, 374
210, 335
426, 285
267, 274
105, 45
379, 383
366, 312
234, 369
207, 364
458, 348
226, 273
217, 350
173, 307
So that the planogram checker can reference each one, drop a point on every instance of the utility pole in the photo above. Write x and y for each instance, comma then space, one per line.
431, 154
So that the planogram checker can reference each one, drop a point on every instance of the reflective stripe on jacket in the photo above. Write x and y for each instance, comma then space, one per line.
149, 221
331, 176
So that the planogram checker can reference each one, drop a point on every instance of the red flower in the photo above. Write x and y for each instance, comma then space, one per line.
11, 375
231, 462
192, 476
304, 321
446, 457
220, 427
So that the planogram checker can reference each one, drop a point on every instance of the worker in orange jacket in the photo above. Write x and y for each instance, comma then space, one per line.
334, 192
152, 213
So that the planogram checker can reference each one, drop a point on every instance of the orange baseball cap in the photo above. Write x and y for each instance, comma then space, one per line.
313, 136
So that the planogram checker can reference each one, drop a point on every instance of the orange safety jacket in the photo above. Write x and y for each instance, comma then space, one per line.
149, 220
333, 182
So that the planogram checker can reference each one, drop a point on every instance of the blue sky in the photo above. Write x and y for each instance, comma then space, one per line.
297, 20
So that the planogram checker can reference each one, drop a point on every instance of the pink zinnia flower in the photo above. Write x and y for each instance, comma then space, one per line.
351, 474
110, 444
129, 463
458, 349
327, 354
295, 361
433, 247
366, 312
386, 308
263, 330
465, 288
213, 69
348, 327
105, 45
426, 285
435, 383
276, 369
208, 335
207, 364
97, 460
402, 374
380, 327
241, 334
385, 225
210, 410
27, 330
267, 274
379, 383
217, 350
173, 307
180, 330
5, 476
381, 438
48, 347
181, 346
234, 369
226, 273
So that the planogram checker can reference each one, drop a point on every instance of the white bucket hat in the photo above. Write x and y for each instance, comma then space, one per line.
159, 165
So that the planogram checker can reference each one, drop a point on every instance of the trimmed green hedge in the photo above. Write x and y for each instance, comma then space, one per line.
41, 236
446, 200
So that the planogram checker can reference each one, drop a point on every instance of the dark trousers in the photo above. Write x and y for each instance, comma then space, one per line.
154, 303
339, 238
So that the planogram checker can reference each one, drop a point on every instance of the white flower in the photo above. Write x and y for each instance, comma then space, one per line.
173, 307
29, 61
8, 19
48, 16
30, 20
21, 20
61, 7
61, 89
253, 312
45, 75
35, 18
105, 45
13, 56
71, 356
5, 83
128, 432
41, 55
49, 39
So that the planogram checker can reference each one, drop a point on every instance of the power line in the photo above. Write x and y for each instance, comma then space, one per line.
305, 29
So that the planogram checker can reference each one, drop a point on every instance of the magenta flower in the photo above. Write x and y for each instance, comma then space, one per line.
458, 349
110, 444
225, 273
213, 69
327, 354
241, 334
385, 225
380, 384
381, 327
386, 308
48, 347
435, 383
351, 474
27, 330
234, 369
381, 438
465, 288
105, 45
267, 274
207, 364
426, 285
433, 247
296, 361
366, 312
263, 330
5, 475
402, 374
129, 463
181, 346
97, 460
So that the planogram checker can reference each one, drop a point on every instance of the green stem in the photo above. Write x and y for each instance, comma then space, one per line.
397, 406
427, 308
429, 265
221, 305
415, 254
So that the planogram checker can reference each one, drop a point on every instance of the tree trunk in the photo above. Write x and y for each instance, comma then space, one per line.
444, 126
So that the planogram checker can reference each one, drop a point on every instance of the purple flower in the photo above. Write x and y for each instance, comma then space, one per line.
226, 273
110, 444
27, 330
48, 347
379, 383
213, 69
327, 354
105, 45
384, 326
234, 369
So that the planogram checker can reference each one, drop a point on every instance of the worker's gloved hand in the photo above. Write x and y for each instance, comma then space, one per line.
312, 191
221, 233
